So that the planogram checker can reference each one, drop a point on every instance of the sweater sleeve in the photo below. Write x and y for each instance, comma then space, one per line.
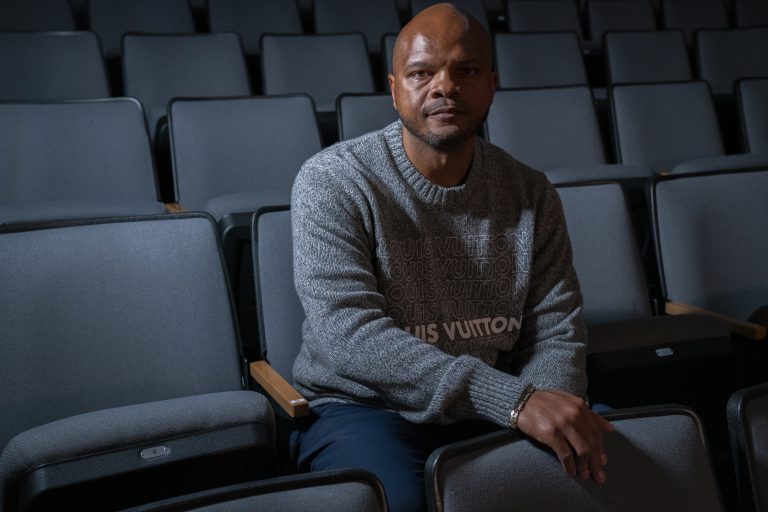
348, 338
551, 351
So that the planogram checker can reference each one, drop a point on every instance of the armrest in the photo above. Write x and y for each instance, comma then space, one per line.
741, 327
175, 208
279, 389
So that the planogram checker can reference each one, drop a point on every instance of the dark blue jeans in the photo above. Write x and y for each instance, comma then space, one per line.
354, 436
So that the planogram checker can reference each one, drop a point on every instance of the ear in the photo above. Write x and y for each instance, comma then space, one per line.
391, 78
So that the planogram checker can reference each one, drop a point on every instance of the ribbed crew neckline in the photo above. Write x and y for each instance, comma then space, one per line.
430, 192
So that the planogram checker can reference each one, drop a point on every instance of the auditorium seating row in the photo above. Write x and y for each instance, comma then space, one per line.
127, 379
69, 65
232, 154
590, 19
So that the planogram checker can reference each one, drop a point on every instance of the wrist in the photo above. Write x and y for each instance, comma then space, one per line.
514, 416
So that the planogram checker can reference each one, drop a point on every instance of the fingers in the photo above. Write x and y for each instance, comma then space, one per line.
574, 432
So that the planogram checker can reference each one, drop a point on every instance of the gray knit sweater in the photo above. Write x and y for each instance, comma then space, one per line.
438, 303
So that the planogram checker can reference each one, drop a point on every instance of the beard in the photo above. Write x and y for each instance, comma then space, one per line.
444, 143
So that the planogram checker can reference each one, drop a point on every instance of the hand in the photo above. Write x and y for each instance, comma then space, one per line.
566, 424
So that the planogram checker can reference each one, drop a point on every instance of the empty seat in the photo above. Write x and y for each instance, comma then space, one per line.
51, 65
75, 159
753, 108
253, 18
539, 60
709, 242
236, 155
157, 68
388, 48
642, 57
373, 18
544, 16
323, 66
36, 15
750, 13
619, 15
692, 15
363, 113
672, 127
748, 426
659, 462
627, 346
280, 314
474, 7
555, 130
111, 19
120, 364
351, 490
724, 56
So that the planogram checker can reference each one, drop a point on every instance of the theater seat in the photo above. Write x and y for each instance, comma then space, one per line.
748, 425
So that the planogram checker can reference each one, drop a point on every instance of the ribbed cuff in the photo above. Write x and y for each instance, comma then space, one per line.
494, 394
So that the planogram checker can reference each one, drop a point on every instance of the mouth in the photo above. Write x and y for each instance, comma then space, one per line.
445, 111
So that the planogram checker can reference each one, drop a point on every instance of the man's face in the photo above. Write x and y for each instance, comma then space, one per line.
443, 84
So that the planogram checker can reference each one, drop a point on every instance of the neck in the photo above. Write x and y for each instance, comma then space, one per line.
444, 168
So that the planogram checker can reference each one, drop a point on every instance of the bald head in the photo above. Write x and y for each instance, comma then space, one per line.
442, 23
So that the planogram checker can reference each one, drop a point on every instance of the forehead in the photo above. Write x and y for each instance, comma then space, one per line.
446, 44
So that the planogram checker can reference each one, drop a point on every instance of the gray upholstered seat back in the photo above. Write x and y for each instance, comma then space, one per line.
81, 150
373, 18
657, 461
661, 125
710, 237
111, 19
240, 144
280, 313
321, 65
251, 19
692, 15
748, 426
726, 55
753, 100
605, 253
363, 113
552, 128
36, 15
108, 314
539, 60
474, 7
158, 68
51, 66
345, 490
653, 56
549, 16
608, 15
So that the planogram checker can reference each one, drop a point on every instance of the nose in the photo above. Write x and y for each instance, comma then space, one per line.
444, 86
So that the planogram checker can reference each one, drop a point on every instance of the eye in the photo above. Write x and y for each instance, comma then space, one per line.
419, 74
471, 71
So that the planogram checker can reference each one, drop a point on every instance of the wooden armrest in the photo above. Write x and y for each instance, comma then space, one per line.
741, 327
175, 208
279, 389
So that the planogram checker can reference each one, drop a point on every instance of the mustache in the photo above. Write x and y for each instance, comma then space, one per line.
432, 106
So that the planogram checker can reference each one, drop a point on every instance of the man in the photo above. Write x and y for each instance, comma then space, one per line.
435, 272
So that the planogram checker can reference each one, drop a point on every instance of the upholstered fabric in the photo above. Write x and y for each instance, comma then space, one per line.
245, 149
724, 56
605, 253
82, 151
363, 113
629, 15
111, 19
280, 312
748, 426
373, 18
252, 19
652, 56
711, 248
322, 66
51, 65
36, 15
657, 461
158, 68
753, 103
539, 60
